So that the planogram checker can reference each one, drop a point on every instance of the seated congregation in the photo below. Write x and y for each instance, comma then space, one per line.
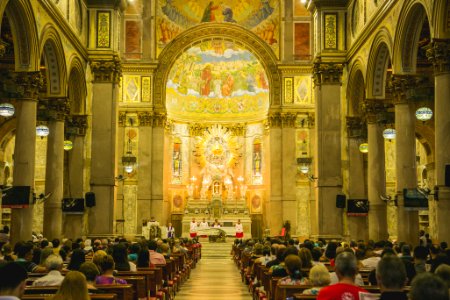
104, 269
278, 270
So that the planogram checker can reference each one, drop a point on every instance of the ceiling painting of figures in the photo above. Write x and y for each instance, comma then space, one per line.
260, 16
217, 80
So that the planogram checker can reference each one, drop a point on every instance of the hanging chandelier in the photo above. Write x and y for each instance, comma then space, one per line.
364, 148
42, 131
7, 109
389, 133
424, 114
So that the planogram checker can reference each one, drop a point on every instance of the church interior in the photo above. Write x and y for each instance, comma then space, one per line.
331, 115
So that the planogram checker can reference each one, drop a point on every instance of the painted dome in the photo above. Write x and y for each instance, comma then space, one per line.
217, 81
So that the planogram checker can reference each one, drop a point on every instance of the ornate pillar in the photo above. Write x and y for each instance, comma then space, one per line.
24, 151
402, 89
106, 74
56, 111
439, 54
376, 176
356, 227
327, 89
159, 206
76, 126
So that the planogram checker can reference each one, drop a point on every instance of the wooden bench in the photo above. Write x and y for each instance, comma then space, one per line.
93, 296
304, 297
123, 291
283, 291
139, 286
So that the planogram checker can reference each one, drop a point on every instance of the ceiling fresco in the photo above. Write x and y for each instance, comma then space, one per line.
217, 81
260, 16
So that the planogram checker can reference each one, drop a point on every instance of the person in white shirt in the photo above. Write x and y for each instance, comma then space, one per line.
193, 226
170, 231
239, 230
216, 224
53, 264
203, 225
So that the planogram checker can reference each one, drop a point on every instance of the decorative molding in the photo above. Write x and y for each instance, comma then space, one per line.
290, 70
103, 29
438, 53
153, 119
327, 73
306, 120
144, 69
373, 110
30, 83
197, 129
330, 34
58, 108
106, 70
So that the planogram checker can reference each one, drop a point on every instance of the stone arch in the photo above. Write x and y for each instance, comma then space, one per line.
51, 48
23, 27
412, 17
379, 58
76, 87
440, 18
355, 88
206, 31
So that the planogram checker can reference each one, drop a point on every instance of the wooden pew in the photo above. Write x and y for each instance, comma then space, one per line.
139, 286
283, 291
93, 296
123, 291
304, 297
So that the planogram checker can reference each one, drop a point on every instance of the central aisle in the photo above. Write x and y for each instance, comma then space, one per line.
215, 277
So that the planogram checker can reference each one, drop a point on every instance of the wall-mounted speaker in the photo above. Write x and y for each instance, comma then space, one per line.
340, 201
90, 199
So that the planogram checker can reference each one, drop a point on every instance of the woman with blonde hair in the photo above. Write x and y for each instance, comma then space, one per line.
73, 287
319, 276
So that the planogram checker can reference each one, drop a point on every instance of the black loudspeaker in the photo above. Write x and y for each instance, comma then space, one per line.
73, 205
447, 175
16, 197
340, 201
90, 199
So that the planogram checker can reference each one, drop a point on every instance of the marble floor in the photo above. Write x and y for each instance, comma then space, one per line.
215, 277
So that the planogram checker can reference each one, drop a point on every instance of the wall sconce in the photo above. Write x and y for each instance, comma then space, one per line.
129, 160
303, 167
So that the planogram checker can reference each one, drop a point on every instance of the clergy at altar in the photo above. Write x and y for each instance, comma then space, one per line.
216, 224
170, 231
239, 229
193, 226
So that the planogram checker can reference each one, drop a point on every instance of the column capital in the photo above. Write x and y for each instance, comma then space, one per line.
355, 126
327, 73
282, 119
77, 124
374, 109
438, 53
29, 83
402, 87
106, 70
54, 109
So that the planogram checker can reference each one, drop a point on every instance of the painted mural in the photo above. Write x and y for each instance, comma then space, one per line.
260, 16
217, 79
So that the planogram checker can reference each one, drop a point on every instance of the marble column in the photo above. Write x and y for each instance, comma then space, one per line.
74, 224
274, 206
376, 182
408, 221
439, 55
327, 89
106, 73
24, 152
54, 173
158, 207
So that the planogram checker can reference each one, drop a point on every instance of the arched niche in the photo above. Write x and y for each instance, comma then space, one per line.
208, 31
23, 26
440, 21
355, 89
412, 18
52, 53
379, 59
76, 88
